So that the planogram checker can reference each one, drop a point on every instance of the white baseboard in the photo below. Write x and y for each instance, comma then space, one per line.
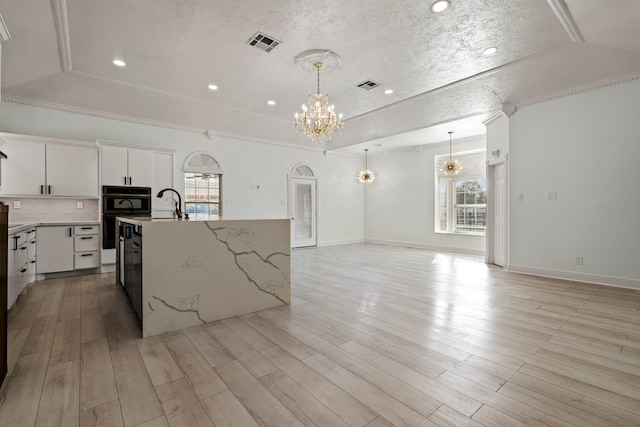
618, 282
340, 242
427, 246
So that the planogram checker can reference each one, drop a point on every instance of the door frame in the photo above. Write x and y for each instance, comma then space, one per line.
490, 244
314, 179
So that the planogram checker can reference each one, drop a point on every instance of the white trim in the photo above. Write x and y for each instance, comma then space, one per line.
566, 19
579, 89
340, 242
102, 142
596, 279
495, 117
439, 248
297, 165
61, 23
208, 133
218, 171
4, 31
41, 139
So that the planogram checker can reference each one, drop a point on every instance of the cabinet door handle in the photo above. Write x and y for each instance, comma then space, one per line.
125, 180
70, 232
48, 189
129, 180
86, 228
23, 248
23, 270
33, 261
86, 255
86, 238
42, 189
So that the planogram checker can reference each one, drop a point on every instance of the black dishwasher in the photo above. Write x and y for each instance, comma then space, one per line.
133, 265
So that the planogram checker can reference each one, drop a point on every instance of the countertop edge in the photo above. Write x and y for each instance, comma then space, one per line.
13, 229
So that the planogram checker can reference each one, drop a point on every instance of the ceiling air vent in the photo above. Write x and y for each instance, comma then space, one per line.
368, 85
263, 42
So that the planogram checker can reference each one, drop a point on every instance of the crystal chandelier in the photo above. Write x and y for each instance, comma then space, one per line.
366, 176
318, 120
450, 168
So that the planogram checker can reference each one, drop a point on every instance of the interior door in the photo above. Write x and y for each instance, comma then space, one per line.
500, 216
303, 212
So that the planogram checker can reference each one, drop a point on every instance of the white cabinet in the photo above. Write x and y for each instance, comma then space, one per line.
12, 277
86, 247
162, 178
66, 248
126, 166
54, 251
72, 170
31, 255
25, 156
55, 167
17, 266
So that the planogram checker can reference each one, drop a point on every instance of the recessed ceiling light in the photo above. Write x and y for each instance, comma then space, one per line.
489, 51
213, 87
271, 102
439, 6
119, 62
388, 91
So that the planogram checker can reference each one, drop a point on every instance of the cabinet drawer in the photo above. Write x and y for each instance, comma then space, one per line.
86, 229
87, 260
86, 243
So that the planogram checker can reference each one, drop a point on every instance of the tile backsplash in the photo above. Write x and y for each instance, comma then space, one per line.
51, 210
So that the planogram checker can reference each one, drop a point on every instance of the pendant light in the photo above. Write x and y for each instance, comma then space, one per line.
366, 176
450, 167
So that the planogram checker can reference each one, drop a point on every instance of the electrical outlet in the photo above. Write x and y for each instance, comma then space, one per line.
17, 204
552, 195
579, 260
80, 205
520, 197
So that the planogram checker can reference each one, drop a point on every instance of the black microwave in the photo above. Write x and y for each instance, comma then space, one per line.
126, 200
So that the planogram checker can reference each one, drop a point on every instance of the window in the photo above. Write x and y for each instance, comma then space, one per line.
462, 202
202, 195
202, 186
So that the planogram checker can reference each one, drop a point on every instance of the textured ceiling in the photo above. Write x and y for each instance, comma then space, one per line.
60, 52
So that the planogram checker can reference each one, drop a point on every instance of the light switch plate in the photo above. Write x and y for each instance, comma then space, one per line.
17, 204
80, 205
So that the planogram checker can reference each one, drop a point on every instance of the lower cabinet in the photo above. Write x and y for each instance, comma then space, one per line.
66, 248
54, 251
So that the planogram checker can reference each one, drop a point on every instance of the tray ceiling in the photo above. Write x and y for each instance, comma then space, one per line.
60, 54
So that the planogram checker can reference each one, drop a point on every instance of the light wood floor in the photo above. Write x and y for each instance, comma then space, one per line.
375, 336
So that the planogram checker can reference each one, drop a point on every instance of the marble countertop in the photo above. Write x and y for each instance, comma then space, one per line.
18, 227
137, 220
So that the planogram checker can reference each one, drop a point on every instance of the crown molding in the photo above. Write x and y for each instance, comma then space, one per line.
210, 134
496, 116
98, 114
4, 31
61, 22
578, 89
561, 10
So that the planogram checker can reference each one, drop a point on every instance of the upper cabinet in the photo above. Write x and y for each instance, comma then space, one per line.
122, 164
126, 166
38, 166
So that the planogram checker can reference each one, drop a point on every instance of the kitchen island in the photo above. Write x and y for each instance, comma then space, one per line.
182, 273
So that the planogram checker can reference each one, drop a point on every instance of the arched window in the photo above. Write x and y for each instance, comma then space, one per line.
202, 186
302, 170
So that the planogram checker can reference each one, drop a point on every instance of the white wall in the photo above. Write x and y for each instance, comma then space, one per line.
498, 136
585, 147
244, 163
400, 205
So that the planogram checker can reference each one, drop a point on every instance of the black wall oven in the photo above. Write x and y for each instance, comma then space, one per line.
122, 201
